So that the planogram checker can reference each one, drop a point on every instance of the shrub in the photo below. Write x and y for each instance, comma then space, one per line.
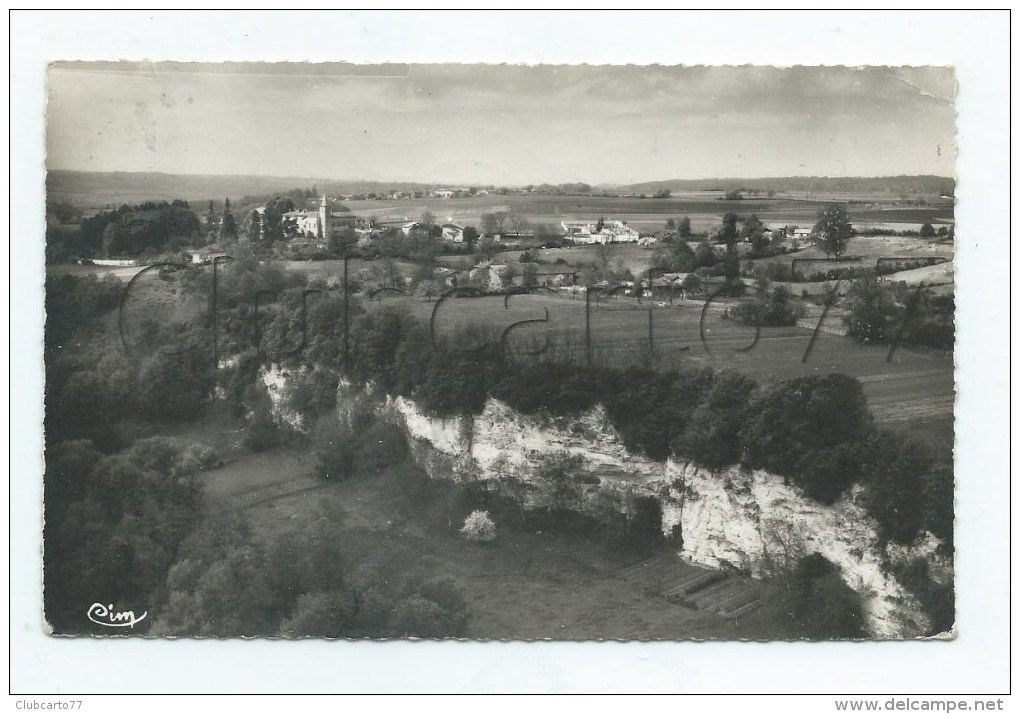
479, 527
199, 457
263, 433
769, 308
432, 609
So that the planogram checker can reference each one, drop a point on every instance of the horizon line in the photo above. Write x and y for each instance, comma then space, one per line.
506, 185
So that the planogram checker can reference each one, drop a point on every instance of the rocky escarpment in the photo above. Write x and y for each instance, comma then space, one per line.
733, 518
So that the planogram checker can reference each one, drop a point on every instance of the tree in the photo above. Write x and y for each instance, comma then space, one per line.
789, 419
728, 234
470, 237
833, 230
518, 222
731, 265
427, 220
873, 313
683, 227
704, 256
385, 273
751, 226
507, 275
670, 224
712, 435
529, 275
927, 231
228, 226
492, 223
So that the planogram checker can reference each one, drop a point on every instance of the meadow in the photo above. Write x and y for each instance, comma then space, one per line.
524, 585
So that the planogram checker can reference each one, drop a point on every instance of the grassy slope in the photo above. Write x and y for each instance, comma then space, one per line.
525, 585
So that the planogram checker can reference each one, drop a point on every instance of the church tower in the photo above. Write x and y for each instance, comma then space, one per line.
323, 220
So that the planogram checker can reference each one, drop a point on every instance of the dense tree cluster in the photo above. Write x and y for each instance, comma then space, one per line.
127, 232
883, 312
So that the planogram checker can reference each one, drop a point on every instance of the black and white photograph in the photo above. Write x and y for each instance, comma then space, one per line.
516, 381
531, 352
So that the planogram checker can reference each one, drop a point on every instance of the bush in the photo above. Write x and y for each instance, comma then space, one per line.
768, 308
479, 527
431, 609
263, 433
199, 457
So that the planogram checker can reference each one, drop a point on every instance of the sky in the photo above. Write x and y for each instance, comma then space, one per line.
500, 124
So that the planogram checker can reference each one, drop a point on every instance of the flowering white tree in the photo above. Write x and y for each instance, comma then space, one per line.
479, 527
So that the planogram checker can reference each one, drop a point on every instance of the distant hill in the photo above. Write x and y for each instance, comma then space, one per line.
802, 184
98, 189
87, 189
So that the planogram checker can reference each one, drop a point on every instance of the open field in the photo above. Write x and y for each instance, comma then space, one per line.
649, 215
525, 585
868, 249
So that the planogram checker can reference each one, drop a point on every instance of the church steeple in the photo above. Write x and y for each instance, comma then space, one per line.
323, 220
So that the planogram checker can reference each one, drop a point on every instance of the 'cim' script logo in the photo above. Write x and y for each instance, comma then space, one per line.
106, 616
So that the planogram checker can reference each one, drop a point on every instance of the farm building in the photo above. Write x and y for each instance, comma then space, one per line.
205, 256
443, 193
447, 277
492, 272
554, 277
601, 231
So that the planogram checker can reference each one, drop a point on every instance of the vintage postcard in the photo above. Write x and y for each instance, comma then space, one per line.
499, 352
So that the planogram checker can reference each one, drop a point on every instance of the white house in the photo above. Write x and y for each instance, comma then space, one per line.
493, 274
443, 193
453, 232
590, 232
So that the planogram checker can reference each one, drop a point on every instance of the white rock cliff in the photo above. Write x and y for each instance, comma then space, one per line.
733, 518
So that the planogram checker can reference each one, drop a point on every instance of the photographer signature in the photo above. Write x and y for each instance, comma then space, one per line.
105, 615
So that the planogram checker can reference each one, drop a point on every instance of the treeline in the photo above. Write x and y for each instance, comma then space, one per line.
126, 232
924, 184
